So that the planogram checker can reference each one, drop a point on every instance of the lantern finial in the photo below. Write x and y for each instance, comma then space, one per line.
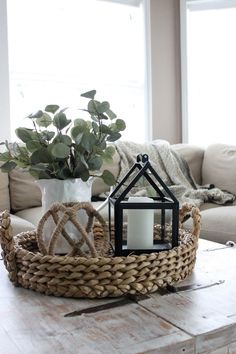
142, 158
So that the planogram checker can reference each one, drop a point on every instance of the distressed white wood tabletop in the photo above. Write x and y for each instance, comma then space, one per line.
199, 318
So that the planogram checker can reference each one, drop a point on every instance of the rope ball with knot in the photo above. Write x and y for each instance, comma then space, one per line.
62, 214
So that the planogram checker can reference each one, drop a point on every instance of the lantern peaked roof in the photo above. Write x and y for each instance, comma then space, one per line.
144, 168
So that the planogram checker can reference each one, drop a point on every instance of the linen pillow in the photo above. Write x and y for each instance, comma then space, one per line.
4, 192
24, 191
219, 167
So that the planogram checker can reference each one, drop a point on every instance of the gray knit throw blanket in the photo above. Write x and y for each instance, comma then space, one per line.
172, 169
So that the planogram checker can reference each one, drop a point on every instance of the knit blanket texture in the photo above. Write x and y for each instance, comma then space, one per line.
173, 170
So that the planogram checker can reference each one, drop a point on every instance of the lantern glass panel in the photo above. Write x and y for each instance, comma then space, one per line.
147, 222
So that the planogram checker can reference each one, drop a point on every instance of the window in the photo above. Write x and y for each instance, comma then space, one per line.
59, 49
211, 72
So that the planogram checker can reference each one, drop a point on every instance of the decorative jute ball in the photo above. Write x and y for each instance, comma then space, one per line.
64, 213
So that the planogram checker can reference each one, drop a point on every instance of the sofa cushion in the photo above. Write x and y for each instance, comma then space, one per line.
219, 167
32, 215
4, 192
20, 225
193, 155
24, 191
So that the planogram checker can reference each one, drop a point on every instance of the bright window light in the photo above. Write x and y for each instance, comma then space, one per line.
59, 49
211, 58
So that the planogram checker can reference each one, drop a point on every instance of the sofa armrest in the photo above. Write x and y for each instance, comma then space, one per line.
193, 155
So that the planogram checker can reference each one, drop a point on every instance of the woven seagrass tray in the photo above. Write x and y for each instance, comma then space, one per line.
99, 275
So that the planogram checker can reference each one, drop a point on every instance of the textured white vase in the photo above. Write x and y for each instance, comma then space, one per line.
64, 191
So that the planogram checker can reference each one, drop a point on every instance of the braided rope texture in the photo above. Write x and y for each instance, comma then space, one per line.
100, 276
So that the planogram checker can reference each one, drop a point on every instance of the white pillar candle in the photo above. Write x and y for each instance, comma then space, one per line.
140, 225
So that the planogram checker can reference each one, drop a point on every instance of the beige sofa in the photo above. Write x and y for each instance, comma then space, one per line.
213, 165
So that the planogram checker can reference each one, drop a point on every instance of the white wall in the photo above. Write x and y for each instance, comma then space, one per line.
4, 77
165, 66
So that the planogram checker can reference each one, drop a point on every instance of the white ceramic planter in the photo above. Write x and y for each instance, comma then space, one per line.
62, 191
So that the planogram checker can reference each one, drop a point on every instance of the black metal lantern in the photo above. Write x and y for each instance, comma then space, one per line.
141, 234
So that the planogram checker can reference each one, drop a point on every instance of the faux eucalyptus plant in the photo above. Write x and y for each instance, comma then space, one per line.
57, 147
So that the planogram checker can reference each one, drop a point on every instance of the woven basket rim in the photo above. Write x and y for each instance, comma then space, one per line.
97, 277
191, 239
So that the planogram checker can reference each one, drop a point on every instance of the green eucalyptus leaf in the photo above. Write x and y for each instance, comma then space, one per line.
78, 138
94, 117
108, 178
103, 107
65, 139
78, 129
21, 152
111, 114
113, 137
24, 134
5, 156
107, 158
40, 156
52, 108
102, 116
62, 138
108, 153
76, 134
95, 163
33, 145
44, 121
40, 174
101, 146
47, 135
8, 166
90, 94
89, 125
110, 150
22, 164
113, 127
64, 173
37, 114
92, 107
88, 141
105, 129
60, 121
84, 175
60, 151
39, 171
81, 123
120, 123
79, 167
95, 127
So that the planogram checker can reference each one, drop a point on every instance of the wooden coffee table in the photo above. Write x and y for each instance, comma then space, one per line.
200, 317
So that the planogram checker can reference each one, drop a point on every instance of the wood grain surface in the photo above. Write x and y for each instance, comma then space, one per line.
199, 318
